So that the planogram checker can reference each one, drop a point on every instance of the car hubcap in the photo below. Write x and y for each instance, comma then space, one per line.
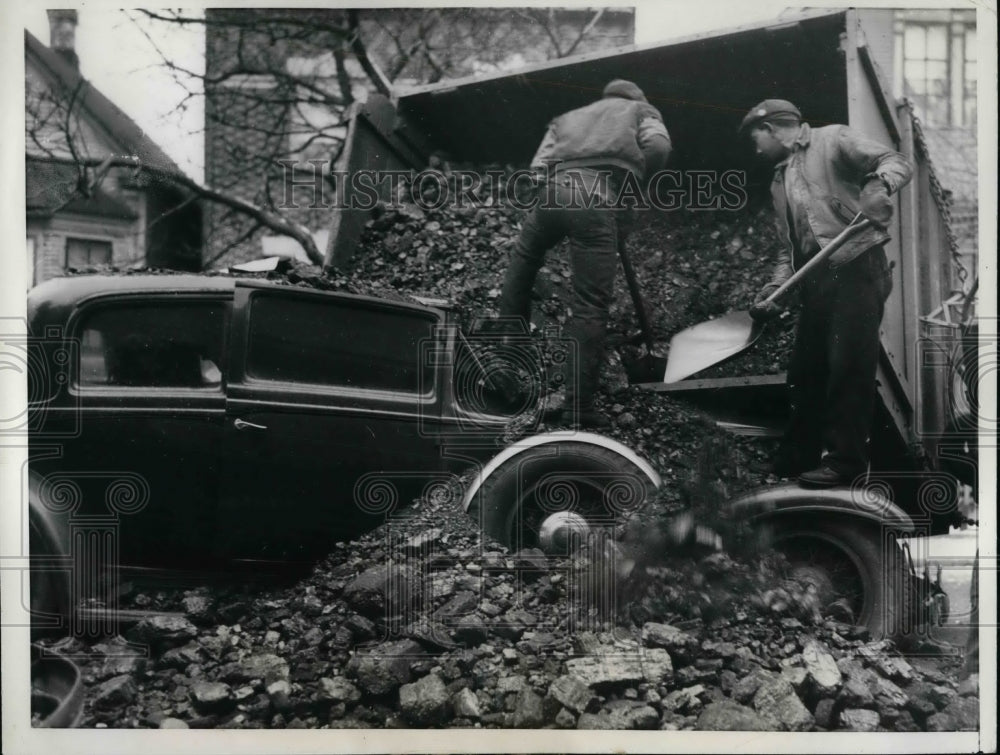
819, 578
557, 529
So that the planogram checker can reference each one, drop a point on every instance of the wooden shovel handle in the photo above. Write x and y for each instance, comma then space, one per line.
645, 330
820, 257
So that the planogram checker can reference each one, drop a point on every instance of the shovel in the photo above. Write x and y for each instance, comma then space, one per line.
650, 367
708, 343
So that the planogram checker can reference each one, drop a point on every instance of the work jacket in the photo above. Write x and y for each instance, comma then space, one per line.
836, 162
613, 132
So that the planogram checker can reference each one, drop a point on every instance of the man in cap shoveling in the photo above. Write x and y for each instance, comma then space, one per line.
586, 153
823, 178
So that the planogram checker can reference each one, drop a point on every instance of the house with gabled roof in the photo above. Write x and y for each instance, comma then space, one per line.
89, 202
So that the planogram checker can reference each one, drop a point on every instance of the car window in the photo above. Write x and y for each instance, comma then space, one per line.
153, 344
338, 343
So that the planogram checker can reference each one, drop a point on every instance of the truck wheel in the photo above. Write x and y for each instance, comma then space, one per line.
535, 499
849, 565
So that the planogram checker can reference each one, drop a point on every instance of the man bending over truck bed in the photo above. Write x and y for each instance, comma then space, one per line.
822, 178
586, 154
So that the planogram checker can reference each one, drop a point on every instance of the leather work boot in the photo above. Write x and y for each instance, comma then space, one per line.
825, 477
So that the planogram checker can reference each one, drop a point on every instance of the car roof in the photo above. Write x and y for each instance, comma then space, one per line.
52, 302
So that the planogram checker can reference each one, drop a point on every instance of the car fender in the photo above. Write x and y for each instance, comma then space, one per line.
51, 567
525, 445
56, 687
865, 503
52, 525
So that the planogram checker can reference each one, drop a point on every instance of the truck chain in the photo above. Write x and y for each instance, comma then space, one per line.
940, 194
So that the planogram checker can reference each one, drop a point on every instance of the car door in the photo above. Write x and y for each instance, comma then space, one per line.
145, 462
324, 417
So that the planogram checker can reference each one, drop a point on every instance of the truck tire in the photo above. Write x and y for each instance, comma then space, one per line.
850, 562
590, 481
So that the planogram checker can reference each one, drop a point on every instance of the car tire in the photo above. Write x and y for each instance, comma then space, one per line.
594, 482
849, 561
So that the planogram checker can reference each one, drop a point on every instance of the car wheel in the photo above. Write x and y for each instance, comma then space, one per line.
539, 498
859, 577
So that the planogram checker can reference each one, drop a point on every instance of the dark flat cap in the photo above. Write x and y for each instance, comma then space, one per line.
769, 109
624, 89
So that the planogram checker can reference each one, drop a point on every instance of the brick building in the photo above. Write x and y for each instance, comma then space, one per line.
75, 220
278, 83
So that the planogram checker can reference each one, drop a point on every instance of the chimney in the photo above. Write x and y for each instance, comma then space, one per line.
62, 35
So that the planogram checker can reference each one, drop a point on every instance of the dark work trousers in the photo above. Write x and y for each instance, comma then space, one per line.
831, 375
593, 237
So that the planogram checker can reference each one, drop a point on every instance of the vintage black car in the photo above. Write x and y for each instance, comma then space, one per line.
195, 421
183, 421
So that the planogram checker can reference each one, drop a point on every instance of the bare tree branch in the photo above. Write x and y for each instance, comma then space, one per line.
279, 84
358, 46
273, 220
246, 236
539, 18
343, 78
267, 218
584, 32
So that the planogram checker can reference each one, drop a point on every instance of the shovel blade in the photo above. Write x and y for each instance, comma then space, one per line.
708, 343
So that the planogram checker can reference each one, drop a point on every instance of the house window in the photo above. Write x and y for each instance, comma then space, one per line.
249, 81
87, 252
316, 127
315, 132
969, 79
925, 69
936, 65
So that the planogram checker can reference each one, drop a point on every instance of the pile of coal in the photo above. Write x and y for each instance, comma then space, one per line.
424, 623
691, 267
696, 266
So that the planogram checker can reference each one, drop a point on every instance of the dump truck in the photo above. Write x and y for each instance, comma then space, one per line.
832, 65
